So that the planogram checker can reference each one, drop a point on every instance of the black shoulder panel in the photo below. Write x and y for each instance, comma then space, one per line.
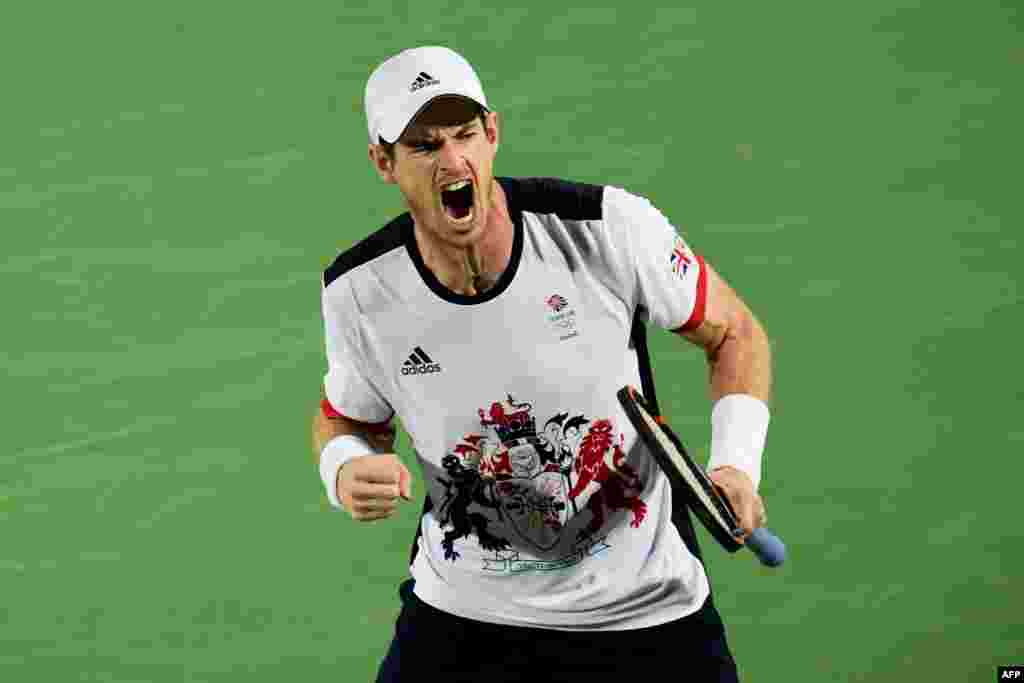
567, 199
391, 236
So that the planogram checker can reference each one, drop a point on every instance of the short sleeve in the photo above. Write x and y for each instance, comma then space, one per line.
670, 279
349, 388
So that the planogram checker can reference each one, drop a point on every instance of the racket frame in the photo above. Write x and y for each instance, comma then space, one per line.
633, 402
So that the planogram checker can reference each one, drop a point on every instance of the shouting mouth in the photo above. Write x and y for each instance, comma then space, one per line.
457, 201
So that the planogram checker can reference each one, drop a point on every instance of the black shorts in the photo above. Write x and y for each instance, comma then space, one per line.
430, 644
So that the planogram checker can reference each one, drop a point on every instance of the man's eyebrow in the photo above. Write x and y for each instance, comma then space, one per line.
420, 139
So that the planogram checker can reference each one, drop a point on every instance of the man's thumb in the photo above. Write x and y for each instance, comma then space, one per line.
404, 481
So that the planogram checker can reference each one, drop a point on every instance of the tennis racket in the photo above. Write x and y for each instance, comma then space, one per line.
691, 486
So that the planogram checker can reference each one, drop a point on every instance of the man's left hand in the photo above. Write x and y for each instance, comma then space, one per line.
738, 489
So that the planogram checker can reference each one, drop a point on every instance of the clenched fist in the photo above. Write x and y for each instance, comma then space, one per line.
369, 486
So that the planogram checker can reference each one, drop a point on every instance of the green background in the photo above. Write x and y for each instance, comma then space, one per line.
174, 177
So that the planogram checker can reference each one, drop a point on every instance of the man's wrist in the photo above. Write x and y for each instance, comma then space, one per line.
336, 454
739, 429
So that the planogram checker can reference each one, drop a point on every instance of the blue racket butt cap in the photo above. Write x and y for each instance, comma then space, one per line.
768, 547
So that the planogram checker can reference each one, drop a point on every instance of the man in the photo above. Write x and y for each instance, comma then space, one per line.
497, 319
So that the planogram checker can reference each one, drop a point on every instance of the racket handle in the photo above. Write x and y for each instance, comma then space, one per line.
768, 547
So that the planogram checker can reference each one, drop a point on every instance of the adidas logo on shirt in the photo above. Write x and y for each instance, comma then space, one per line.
422, 81
419, 363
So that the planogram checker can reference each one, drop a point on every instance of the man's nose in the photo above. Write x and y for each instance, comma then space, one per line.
449, 158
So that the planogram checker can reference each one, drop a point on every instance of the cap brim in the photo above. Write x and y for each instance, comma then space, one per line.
393, 132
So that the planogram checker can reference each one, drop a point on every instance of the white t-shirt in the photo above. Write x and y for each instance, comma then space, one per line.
544, 509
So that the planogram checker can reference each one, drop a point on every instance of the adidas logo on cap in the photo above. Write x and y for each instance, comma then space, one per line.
419, 363
422, 81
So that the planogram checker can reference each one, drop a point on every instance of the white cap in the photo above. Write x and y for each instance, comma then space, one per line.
402, 86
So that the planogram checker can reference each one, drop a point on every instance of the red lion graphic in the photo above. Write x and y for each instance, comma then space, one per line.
592, 465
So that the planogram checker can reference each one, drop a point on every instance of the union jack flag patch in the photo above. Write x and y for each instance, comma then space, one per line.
680, 261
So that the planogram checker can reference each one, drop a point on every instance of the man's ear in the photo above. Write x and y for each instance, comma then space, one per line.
492, 128
382, 163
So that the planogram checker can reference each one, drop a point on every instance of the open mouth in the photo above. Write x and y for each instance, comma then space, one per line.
457, 200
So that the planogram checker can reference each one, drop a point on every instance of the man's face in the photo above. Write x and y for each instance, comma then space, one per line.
443, 165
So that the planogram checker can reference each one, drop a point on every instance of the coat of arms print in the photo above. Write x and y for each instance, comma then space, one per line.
515, 488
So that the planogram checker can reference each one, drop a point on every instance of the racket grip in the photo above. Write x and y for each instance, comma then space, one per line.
768, 547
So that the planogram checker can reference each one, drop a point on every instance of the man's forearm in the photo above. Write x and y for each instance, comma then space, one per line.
324, 429
739, 358
381, 438
741, 363
741, 381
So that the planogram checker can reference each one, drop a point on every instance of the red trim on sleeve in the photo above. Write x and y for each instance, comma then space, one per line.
372, 427
700, 306
328, 409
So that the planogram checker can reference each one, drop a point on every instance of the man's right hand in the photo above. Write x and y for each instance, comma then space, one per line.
369, 486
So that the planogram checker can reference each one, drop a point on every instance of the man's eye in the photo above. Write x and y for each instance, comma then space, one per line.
467, 135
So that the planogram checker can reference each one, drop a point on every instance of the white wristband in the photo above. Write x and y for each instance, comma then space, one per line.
335, 454
739, 429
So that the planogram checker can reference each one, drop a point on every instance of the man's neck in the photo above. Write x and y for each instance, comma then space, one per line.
478, 267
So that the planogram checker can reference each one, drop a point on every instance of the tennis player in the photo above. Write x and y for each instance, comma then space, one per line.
497, 319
